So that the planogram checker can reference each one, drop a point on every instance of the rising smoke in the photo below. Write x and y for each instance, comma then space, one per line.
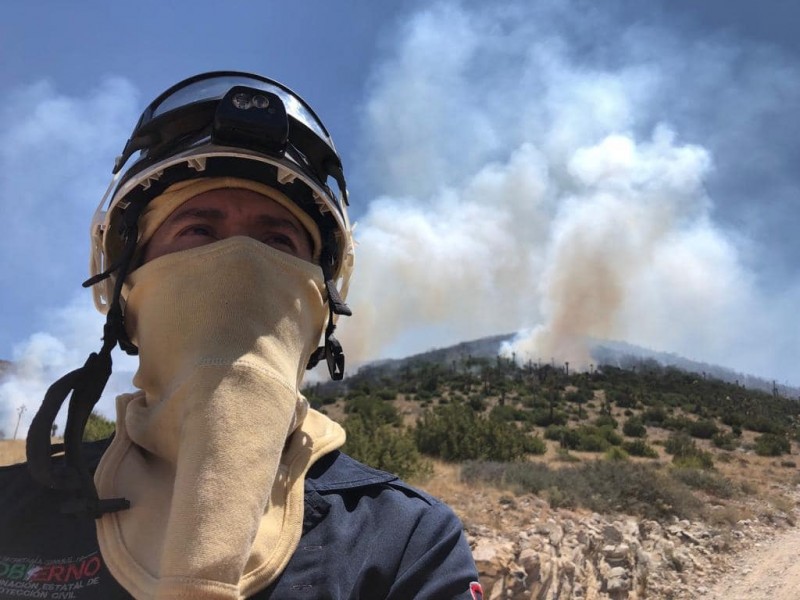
542, 178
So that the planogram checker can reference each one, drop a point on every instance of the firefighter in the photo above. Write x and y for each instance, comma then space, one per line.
221, 255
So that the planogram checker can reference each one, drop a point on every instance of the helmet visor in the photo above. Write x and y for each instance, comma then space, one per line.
213, 86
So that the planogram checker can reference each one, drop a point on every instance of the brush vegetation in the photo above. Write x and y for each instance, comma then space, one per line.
645, 441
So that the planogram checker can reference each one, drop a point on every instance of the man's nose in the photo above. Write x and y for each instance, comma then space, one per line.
242, 229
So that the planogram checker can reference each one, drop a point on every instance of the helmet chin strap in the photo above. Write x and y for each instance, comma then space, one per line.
85, 384
331, 350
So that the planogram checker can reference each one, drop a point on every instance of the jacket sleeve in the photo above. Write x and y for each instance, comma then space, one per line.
437, 562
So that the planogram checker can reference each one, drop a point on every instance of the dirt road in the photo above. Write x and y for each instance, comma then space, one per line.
770, 570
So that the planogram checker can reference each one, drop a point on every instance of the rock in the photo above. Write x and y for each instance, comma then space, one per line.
611, 534
618, 580
591, 557
493, 558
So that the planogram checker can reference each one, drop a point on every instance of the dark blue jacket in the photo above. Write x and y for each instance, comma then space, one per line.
366, 534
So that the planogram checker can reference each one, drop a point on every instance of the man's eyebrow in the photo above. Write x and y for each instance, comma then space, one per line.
196, 213
215, 214
281, 222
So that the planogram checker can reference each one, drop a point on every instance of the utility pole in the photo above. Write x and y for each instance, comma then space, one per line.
20, 410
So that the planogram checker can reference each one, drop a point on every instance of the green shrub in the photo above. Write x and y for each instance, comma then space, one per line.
703, 429
592, 442
770, 444
623, 399
611, 436
585, 438
578, 396
680, 443
600, 486
384, 447
763, 424
508, 413
655, 415
543, 418
679, 423
563, 455
606, 421
686, 454
639, 448
97, 428
565, 436
699, 460
476, 403
535, 445
615, 453
634, 427
376, 412
707, 481
454, 432
387, 394
554, 432
724, 441
733, 419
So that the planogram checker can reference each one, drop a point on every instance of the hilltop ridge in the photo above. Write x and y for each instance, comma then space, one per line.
603, 352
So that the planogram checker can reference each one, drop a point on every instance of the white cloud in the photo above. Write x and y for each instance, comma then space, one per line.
56, 154
71, 334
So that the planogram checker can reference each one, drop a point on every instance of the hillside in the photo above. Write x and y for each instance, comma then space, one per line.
616, 483
667, 472
603, 352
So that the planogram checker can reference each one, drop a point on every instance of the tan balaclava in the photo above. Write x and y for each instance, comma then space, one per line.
213, 451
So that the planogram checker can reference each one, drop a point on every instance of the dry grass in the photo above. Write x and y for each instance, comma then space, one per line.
12, 452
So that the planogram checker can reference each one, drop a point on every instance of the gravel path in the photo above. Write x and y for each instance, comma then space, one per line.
770, 570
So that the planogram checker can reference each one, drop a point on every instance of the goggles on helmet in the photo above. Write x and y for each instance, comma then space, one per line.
227, 123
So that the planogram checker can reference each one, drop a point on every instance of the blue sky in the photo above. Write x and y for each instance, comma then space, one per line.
558, 168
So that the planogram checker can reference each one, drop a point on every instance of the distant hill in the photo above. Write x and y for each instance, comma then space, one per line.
603, 352
626, 356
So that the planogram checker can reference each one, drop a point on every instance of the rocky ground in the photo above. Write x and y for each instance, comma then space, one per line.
526, 550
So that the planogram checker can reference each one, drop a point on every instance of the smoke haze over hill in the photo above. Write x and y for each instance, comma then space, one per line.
550, 174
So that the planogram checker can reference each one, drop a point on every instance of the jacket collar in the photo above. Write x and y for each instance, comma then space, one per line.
337, 471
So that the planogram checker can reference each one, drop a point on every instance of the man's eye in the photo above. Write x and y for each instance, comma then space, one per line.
199, 230
277, 239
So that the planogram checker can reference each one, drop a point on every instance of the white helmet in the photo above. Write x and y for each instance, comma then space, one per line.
232, 124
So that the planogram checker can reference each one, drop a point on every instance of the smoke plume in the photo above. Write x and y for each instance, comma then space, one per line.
548, 174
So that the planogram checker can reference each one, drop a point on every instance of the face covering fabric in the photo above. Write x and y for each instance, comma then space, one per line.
212, 453
161, 207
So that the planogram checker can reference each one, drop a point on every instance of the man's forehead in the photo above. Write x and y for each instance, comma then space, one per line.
222, 203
